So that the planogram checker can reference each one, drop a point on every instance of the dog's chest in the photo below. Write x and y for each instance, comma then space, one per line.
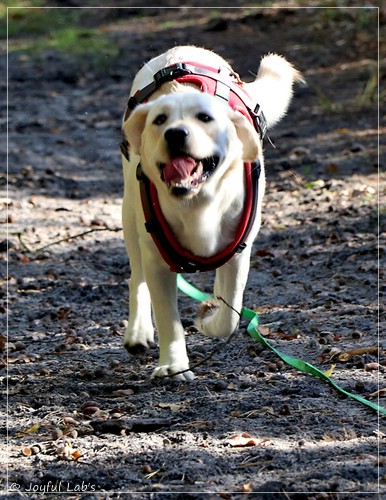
205, 231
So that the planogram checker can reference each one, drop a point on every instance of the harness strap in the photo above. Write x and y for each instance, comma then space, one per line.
213, 82
179, 259
225, 87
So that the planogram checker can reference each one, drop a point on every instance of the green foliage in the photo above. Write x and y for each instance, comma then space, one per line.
369, 93
33, 19
33, 28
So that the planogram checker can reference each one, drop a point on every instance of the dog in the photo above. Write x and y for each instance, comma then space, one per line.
189, 157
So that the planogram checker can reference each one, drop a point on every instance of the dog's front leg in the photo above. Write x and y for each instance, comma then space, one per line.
221, 318
171, 336
140, 331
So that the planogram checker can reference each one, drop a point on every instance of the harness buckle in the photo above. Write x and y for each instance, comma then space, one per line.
125, 149
259, 119
132, 103
241, 247
170, 73
139, 173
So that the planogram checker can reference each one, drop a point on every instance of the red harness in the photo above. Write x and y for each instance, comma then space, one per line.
210, 81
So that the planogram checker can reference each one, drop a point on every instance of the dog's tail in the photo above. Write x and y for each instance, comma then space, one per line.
273, 86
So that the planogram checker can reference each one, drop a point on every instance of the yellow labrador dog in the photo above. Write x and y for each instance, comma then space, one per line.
194, 182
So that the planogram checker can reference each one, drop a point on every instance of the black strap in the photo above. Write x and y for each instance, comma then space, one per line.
163, 75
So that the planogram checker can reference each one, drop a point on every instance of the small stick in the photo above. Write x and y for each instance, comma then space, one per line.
68, 238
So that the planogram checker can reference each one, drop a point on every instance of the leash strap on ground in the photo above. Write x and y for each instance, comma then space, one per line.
253, 331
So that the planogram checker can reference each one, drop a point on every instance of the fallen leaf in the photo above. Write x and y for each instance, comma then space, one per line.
371, 366
332, 168
122, 393
345, 356
173, 407
378, 394
31, 430
76, 454
263, 252
329, 372
3, 342
286, 336
63, 312
152, 473
264, 331
246, 488
245, 439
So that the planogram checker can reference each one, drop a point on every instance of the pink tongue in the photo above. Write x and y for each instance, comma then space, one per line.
179, 169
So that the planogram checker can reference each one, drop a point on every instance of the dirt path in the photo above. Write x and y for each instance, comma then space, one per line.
83, 416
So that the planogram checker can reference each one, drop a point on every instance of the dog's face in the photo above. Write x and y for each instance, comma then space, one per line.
189, 139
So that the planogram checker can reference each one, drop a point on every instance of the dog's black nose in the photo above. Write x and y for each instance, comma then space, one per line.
176, 137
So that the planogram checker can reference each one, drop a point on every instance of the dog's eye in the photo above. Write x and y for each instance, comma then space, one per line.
160, 119
204, 117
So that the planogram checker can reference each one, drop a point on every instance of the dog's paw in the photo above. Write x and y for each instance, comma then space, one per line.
137, 349
176, 372
206, 320
137, 341
208, 308
214, 321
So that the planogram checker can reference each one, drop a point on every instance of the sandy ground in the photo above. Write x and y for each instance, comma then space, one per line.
83, 416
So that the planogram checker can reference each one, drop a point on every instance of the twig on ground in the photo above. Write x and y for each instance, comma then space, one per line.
67, 238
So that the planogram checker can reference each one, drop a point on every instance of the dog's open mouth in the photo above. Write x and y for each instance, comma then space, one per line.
184, 174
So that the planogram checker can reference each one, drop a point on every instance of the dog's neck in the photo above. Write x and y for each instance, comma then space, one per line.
195, 228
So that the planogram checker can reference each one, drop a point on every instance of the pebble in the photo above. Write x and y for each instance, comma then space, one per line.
220, 385
356, 148
372, 366
20, 346
90, 410
325, 340
89, 403
358, 361
70, 421
56, 434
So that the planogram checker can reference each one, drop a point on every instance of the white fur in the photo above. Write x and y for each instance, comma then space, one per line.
204, 221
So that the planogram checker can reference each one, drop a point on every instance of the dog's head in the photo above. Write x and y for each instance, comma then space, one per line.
187, 139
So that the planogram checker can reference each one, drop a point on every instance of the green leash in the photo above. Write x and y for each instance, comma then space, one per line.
299, 364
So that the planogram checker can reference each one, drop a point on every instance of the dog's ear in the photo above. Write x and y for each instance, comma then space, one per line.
133, 127
248, 136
